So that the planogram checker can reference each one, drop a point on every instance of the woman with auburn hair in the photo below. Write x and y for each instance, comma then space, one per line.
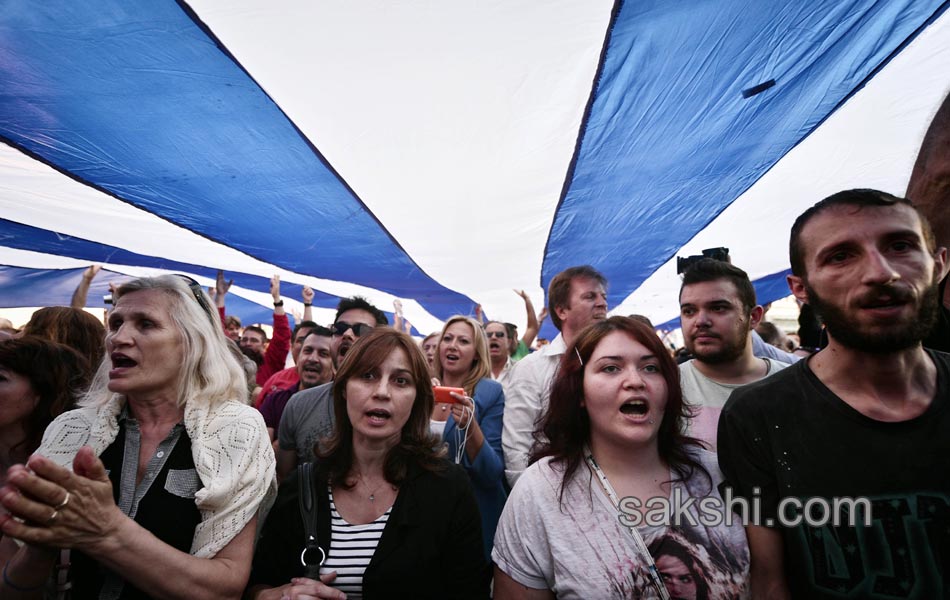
474, 443
392, 518
599, 489
39, 380
74, 327
168, 466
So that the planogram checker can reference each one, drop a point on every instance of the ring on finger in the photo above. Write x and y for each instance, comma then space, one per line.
62, 504
52, 517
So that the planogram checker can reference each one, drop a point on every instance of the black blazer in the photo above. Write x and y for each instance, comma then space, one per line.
431, 546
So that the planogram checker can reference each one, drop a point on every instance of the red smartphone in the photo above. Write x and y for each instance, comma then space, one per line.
443, 394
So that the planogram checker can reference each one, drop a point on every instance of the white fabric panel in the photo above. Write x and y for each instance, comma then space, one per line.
454, 122
35, 194
870, 142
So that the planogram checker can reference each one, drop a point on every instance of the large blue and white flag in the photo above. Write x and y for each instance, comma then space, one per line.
444, 153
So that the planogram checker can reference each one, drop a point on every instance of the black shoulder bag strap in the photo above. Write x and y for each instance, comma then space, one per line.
308, 512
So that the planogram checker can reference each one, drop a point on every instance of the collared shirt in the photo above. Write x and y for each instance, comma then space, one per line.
526, 398
505, 374
163, 502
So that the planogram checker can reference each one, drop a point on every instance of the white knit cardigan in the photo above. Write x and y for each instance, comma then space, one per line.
230, 447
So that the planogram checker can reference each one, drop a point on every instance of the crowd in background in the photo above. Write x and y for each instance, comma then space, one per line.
142, 458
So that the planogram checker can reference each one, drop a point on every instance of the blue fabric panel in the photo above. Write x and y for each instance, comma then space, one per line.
54, 287
25, 237
133, 98
671, 140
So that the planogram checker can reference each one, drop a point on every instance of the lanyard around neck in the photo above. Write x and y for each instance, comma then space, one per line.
638, 542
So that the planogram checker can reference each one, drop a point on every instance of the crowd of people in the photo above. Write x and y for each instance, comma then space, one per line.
142, 459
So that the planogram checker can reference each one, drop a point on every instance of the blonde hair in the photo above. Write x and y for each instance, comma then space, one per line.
210, 374
481, 366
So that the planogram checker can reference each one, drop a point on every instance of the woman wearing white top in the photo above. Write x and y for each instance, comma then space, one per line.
571, 526
169, 466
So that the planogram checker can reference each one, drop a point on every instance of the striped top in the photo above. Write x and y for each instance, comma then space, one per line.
351, 548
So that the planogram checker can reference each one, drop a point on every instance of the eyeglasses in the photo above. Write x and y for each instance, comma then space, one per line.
359, 329
198, 292
497, 334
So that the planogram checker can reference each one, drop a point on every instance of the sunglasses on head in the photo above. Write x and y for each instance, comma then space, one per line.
359, 329
198, 292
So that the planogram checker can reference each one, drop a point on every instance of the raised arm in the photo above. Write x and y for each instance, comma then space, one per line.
397, 315
276, 353
82, 290
221, 288
534, 321
275, 294
307, 295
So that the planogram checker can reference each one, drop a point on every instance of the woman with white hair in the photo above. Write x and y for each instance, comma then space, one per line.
156, 481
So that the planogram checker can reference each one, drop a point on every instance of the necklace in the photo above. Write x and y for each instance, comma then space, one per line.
372, 493
372, 497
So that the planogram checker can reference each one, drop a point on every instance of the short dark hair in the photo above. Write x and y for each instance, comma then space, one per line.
360, 303
710, 269
319, 330
299, 326
559, 290
256, 329
859, 199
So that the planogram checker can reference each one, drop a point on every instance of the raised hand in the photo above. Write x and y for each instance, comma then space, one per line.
221, 286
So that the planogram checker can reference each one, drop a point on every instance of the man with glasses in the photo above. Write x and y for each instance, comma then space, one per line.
308, 415
501, 345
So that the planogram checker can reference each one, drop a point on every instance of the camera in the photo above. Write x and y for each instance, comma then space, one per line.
107, 299
683, 263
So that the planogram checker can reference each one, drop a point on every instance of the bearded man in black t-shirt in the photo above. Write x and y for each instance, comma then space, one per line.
866, 418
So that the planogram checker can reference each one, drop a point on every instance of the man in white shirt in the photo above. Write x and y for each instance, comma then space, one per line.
718, 313
576, 298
